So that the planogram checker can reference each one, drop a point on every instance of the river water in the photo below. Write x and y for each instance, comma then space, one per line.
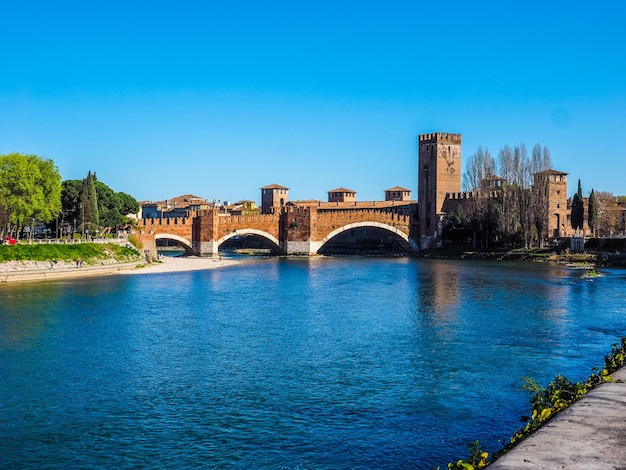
291, 363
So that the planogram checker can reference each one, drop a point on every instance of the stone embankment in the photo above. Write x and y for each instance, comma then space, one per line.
590, 434
19, 271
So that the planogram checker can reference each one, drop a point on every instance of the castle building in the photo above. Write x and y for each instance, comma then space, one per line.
273, 198
439, 173
439, 187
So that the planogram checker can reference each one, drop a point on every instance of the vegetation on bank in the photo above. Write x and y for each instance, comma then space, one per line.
89, 253
546, 403
520, 254
31, 191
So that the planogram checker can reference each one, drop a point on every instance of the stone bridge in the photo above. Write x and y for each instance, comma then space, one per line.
296, 230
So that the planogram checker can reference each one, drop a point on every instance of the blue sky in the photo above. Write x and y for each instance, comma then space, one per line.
217, 99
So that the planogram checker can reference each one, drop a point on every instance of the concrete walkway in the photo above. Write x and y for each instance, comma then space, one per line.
590, 434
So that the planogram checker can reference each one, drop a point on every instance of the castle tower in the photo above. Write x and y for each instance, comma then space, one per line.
555, 184
438, 173
273, 198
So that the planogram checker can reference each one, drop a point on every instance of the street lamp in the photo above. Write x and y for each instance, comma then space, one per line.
83, 208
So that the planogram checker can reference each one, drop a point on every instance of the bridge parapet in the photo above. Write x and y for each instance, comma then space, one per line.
164, 222
329, 221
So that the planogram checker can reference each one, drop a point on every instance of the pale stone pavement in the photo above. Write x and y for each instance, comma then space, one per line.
590, 434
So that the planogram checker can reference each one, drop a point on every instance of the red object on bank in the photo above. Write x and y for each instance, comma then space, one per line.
10, 240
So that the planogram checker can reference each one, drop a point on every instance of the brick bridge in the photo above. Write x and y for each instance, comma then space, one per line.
295, 230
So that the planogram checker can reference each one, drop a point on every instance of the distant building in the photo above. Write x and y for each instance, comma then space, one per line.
397, 193
341, 195
180, 206
243, 208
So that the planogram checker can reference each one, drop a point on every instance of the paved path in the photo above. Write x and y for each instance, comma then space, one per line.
590, 434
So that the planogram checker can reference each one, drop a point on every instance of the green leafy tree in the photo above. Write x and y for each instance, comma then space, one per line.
592, 216
30, 189
128, 204
113, 207
70, 199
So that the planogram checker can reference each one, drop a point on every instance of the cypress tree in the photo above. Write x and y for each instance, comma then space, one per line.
578, 209
592, 217
90, 219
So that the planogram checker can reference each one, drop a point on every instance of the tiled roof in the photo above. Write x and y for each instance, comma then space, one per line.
274, 186
397, 188
342, 190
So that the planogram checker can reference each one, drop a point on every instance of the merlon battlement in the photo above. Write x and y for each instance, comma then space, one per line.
473, 194
435, 137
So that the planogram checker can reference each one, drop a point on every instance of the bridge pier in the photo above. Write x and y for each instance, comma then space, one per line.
300, 248
206, 249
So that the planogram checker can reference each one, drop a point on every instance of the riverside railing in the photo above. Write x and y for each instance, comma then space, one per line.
72, 241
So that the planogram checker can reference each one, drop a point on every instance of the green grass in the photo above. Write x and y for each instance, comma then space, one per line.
88, 252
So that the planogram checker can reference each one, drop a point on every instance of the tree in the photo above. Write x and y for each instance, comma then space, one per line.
113, 207
516, 208
540, 160
128, 204
608, 210
478, 168
70, 199
540, 163
592, 216
30, 189
89, 214
578, 209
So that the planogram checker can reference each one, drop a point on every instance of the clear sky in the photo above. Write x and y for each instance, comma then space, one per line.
219, 98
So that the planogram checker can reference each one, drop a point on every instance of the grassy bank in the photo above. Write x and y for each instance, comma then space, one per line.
89, 253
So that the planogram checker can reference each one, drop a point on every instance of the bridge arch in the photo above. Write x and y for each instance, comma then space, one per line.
170, 236
411, 243
274, 242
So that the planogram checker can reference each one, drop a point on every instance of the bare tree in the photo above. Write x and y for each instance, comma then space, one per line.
540, 160
540, 163
478, 168
607, 213
517, 206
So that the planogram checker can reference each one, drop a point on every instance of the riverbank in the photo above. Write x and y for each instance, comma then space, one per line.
169, 264
589, 434
542, 256
24, 271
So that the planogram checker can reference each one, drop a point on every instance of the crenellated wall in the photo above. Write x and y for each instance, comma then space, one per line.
296, 230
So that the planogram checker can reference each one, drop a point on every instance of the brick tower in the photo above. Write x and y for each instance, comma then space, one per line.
273, 198
554, 183
438, 173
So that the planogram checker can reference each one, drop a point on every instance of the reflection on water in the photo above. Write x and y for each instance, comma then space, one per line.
290, 363
25, 316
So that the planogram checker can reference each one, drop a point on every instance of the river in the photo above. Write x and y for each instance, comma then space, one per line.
291, 363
